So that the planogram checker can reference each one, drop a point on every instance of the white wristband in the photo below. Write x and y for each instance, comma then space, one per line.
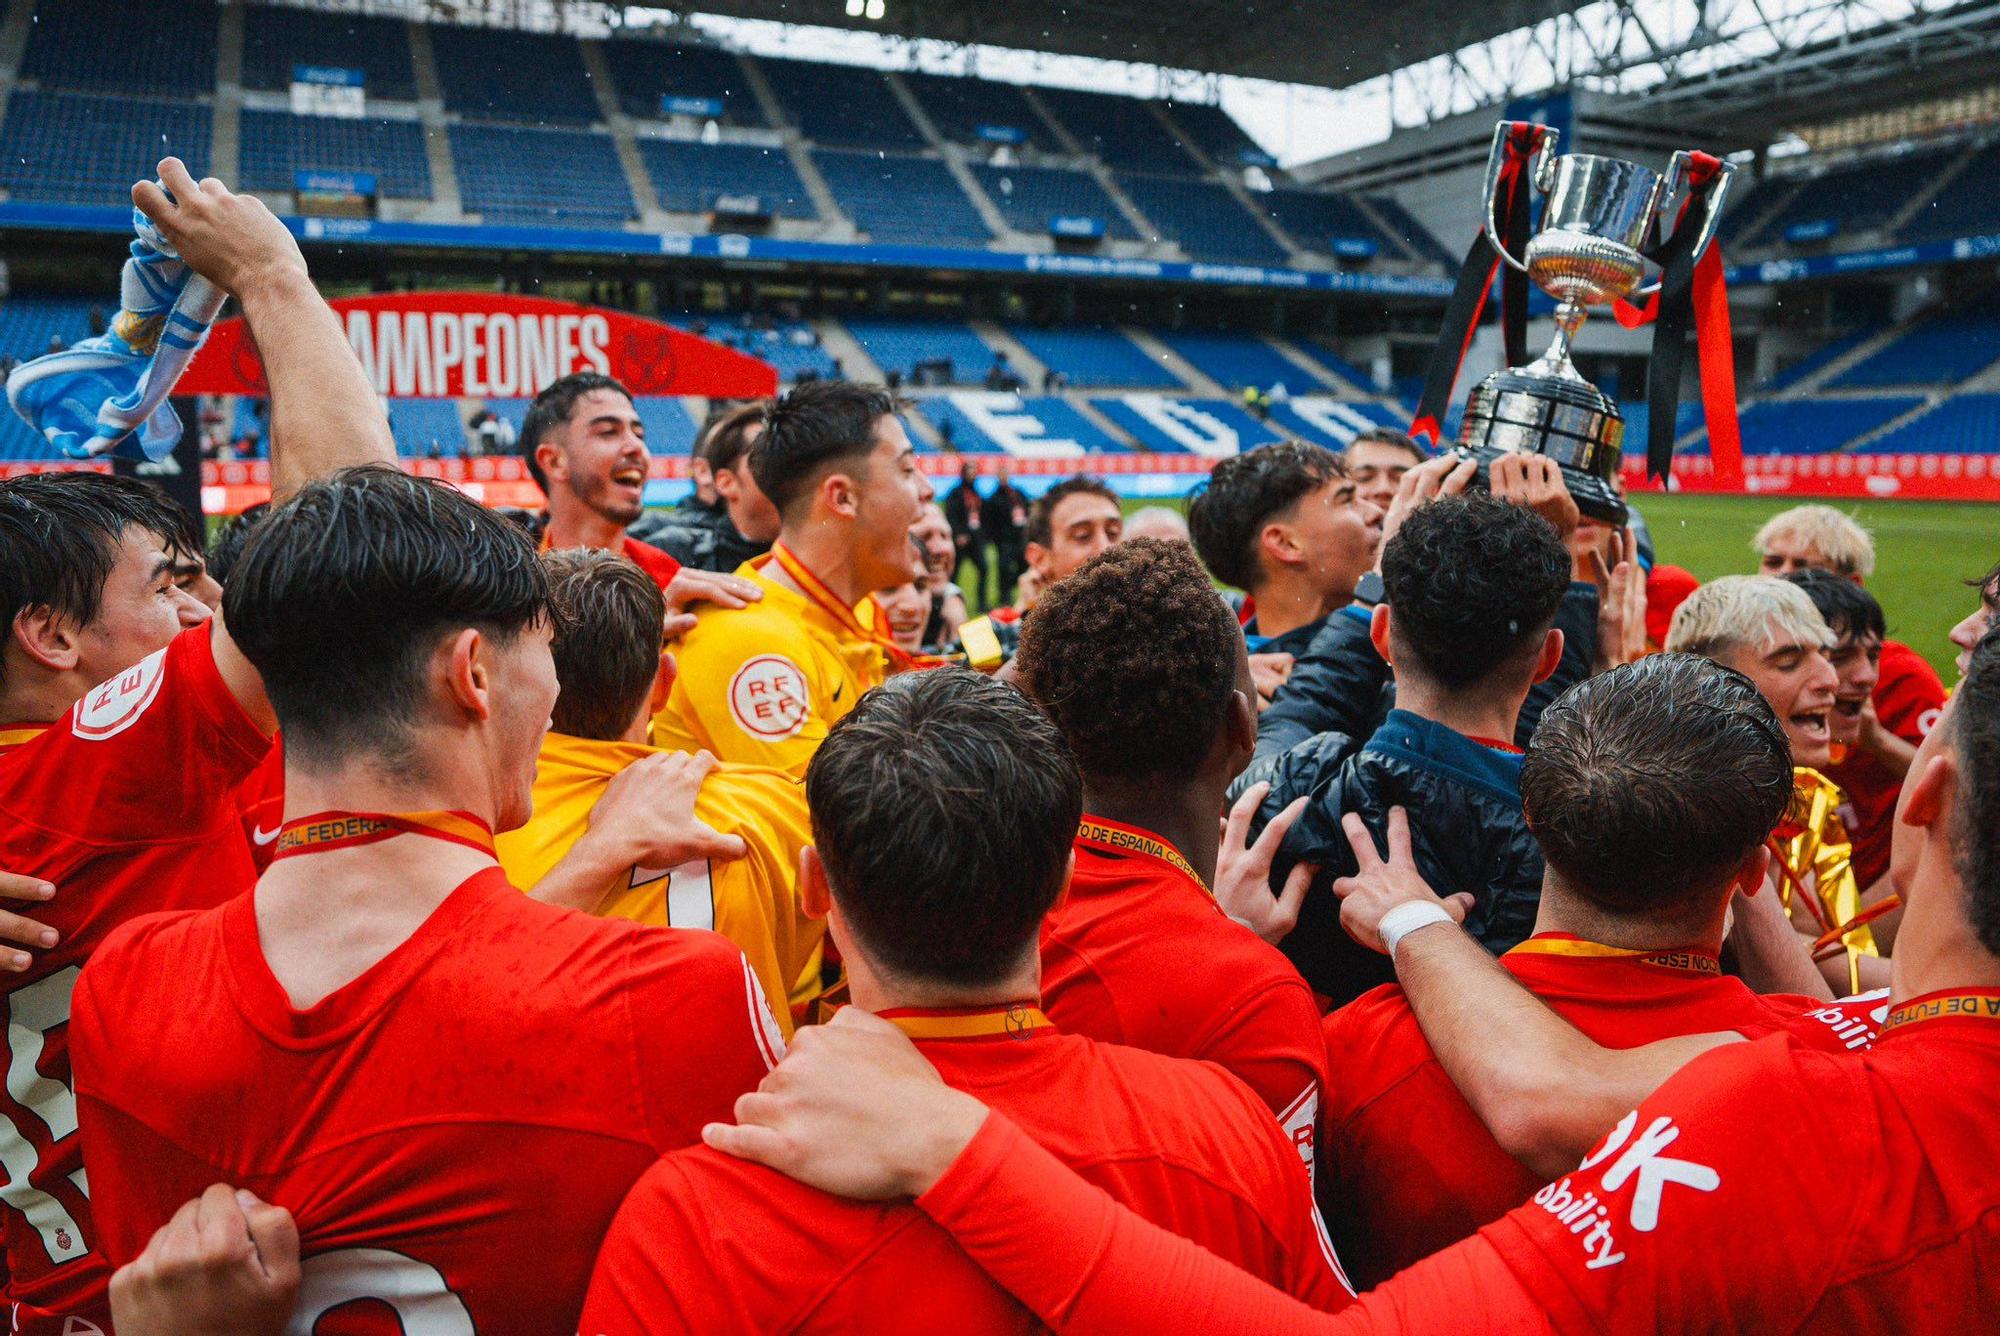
1406, 918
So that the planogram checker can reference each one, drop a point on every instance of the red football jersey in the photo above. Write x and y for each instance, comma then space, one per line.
1908, 700
127, 805
709, 1244
1139, 954
660, 565
1408, 1168
453, 1130
261, 801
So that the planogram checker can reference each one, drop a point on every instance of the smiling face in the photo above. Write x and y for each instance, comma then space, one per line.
142, 609
908, 608
1082, 526
1377, 468
1857, 667
891, 493
1337, 530
933, 534
523, 691
1800, 684
599, 456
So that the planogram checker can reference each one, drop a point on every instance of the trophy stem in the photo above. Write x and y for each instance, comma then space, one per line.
1570, 316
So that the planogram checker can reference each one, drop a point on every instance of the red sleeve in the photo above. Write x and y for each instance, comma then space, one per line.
1909, 697
632, 1290
662, 566
1085, 1264
703, 1032
1272, 1042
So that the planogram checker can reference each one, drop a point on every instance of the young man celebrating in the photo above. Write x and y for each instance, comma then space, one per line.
761, 685
1376, 461
1072, 522
1286, 525
935, 904
1143, 671
728, 521
610, 673
400, 1047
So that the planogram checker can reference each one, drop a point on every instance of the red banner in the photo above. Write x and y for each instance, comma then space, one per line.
476, 345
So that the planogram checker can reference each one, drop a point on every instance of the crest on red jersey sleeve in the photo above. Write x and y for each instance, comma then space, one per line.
109, 708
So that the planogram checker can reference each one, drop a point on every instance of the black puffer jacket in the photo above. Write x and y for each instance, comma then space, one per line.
1467, 830
697, 536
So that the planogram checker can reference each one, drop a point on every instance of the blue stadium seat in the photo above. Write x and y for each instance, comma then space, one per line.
547, 177
1095, 357
1332, 422
1216, 133
89, 150
983, 422
1123, 131
490, 74
1419, 238
647, 71
1237, 361
19, 441
902, 199
1747, 201
276, 145
1966, 424
1969, 205
959, 106
898, 345
789, 346
1942, 350
1314, 219
1812, 362
1028, 197
687, 176
1167, 425
1815, 426
1857, 196
419, 424
124, 46
670, 427
842, 105
1338, 365
277, 37
27, 321
1204, 218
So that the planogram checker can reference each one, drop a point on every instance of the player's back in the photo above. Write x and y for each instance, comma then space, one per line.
127, 806
454, 1128
710, 1244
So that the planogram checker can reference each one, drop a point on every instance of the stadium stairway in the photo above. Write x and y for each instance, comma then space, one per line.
14, 30
1318, 374
1191, 375
1231, 182
954, 157
1853, 357
636, 178
446, 198
225, 153
1139, 222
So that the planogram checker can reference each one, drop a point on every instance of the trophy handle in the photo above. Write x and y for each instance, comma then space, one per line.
1678, 171
1542, 174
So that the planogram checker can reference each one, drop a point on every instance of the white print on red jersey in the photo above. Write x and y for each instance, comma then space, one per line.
1855, 1021
1928, 720
1588, 1217
764, 1025
33, 1011
1299, 1120
110, 708
423, 1303
769, 699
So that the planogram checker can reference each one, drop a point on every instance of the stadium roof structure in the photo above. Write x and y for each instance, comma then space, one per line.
1330, 43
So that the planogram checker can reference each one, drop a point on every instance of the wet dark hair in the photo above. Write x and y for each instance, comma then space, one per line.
1473, 583
552, 408
1974, 720
1845, 607
1247, 491
811, 426
1655, 780
226, 548
944, 806
343, 592
608, 616
1040, 528
724, 438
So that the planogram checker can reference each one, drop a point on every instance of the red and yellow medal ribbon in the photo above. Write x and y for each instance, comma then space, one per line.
14, 735
1680, 958
1016, 1020
844, 617
1114, 837
323, 832
1970, 1004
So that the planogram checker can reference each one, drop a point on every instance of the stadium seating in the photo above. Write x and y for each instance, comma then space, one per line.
1964, 424
1856, 196
898, 345
27, 321
421, 424
959, 106
842, 105
89, 150
277, 144
517, 175
1419, 238
1815, 426
489, 74
1331, 422
1028, 197
1333, 362
1969, 204
123, 46
645, 72
895, 197
1314, 220
1170, 425
1095, 357
790, 346
276, 38
687, 176
1748, 201
1816, 360
1236, 361
990, 422
1939, 351
1123, 131
1204, 218
1216, 133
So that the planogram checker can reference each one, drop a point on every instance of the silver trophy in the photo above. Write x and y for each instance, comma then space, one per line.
1600, 224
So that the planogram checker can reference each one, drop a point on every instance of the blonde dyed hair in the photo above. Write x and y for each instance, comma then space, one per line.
1756, 611
1836, 536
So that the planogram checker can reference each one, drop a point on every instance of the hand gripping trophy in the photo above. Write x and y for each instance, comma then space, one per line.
1600, 228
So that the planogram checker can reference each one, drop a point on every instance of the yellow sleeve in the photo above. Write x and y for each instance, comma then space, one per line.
746, 688
756, 899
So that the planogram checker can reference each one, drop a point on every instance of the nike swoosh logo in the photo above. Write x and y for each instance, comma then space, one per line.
257, 834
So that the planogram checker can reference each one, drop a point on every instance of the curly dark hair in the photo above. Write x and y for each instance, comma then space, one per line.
1134, 657
1655, 780
1473, 583
1040, 529
1974, 720
1247, 491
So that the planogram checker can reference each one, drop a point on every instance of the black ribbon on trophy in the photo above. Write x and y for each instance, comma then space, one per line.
1600, 228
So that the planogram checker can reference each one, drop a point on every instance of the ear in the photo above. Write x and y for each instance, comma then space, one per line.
47, 638
550, 456
468, 676
815, 896
699, 470
1038, 557
1927, 792
1552, 655
1277, 542
1378, 633
663, 683
724, 481
1750, 877
1241, 722
1069, 874
840, 494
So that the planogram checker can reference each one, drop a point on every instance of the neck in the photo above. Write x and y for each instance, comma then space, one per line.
367, 786
873, 990
1936, 947
823, 548
573, 524
1183, 817
1473, 716
1560, 911
1286, 601
41, 699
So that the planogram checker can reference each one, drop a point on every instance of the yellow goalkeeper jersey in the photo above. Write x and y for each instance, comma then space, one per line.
753, 900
